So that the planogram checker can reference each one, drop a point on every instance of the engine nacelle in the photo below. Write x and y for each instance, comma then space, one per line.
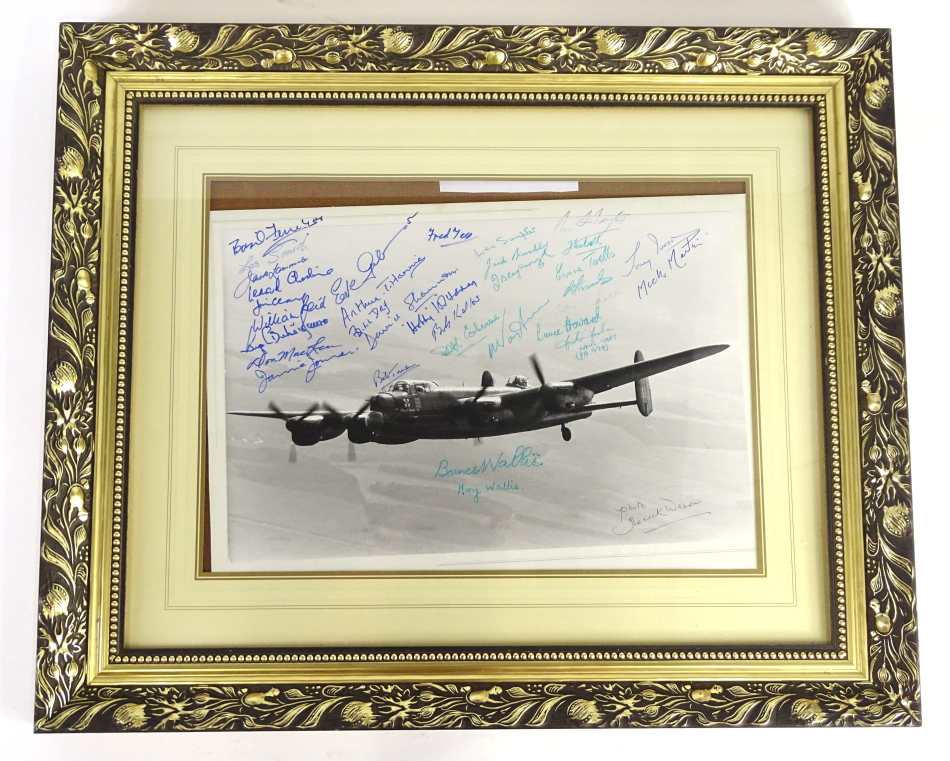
488, 417
357, 430
564, 397
306, 433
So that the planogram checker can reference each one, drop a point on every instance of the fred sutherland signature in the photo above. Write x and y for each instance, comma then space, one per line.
640, 514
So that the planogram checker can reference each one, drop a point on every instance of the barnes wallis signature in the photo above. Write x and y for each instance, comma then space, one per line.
639, 513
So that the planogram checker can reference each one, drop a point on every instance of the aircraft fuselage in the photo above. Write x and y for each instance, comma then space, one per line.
451, 413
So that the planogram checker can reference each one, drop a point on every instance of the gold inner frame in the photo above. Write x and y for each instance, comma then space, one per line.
108, 665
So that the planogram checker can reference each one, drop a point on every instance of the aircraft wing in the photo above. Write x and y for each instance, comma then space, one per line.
599, 382
265, 414
309, 414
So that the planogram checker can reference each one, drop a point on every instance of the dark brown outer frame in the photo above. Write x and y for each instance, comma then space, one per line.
66, 702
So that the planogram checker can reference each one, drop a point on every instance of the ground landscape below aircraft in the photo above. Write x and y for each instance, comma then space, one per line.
408, 410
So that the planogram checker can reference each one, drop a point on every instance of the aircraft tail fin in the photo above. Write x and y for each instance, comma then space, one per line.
642, 385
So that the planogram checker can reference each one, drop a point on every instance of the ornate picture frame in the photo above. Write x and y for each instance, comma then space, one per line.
90, 679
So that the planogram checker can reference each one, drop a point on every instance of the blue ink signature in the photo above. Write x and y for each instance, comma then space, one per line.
507, 485
415, 301
577, 245
311, 368
290, 355
272, 328
599, 255
498, 280
579, 284
270, 233
594, 340
570, 325
382, 377
391, 280
523, 457
459, 309
513, 330
673, 251
524, 234
478, 327
360, 319
366, 263
452, 234
472, 491
374, 333
454, 347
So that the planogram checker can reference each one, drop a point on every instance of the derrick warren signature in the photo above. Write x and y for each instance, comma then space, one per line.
652, 518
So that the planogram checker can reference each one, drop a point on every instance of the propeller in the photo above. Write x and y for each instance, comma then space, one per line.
469, 407
350, 422
549, 391
290, 423
472, 404
537, 368
335, 415
339, 415
279, 412
484, 388
290, 418
334, 412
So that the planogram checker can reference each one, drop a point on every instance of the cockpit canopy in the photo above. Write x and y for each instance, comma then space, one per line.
413, 386
518, 381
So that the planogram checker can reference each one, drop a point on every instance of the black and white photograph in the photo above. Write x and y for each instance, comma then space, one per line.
505, 385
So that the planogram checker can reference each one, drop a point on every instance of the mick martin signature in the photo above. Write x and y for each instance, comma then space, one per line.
639, 514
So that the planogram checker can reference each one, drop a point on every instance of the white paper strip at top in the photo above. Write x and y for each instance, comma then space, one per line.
500, 186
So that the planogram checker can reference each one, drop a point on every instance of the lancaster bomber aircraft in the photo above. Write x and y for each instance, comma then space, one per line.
408, 410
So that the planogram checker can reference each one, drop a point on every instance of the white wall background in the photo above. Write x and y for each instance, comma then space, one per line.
27, 118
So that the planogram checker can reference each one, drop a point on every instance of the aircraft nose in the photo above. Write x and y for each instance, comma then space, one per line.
374, 421
382, 402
